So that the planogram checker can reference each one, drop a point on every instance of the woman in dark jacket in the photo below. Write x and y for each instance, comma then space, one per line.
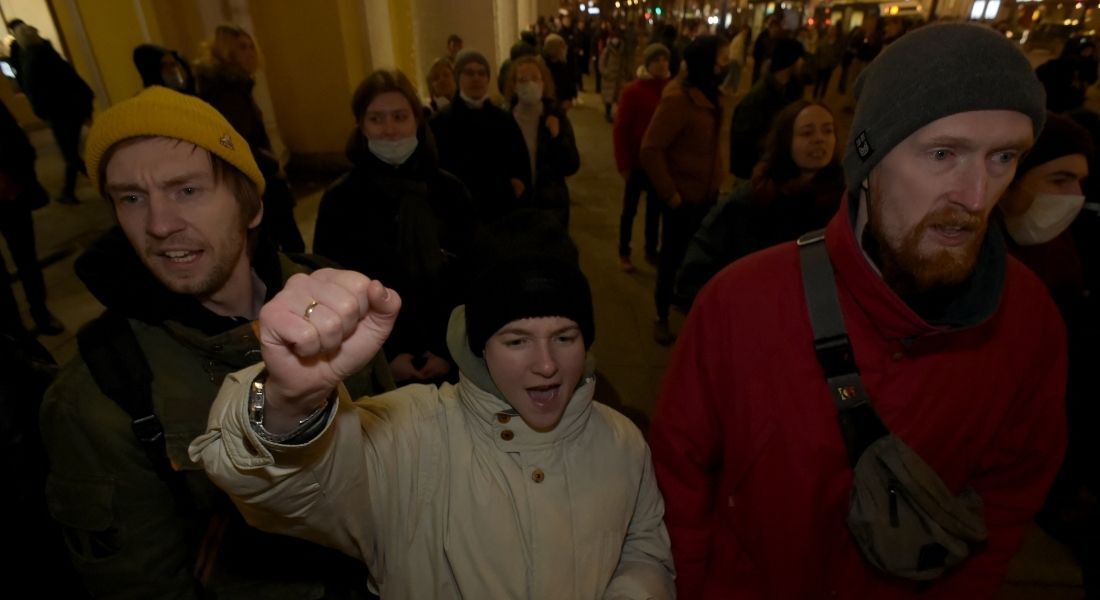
398, 218
796, 188
551, 146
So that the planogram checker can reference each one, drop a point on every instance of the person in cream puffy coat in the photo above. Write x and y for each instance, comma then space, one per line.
512, 484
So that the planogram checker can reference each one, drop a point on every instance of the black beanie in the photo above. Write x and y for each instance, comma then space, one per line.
1061, 137
933, 72
524, 287
786, 53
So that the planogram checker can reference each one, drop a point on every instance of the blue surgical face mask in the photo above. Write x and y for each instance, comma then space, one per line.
394, 152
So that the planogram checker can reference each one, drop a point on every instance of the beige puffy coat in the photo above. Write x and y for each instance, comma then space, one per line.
446, 493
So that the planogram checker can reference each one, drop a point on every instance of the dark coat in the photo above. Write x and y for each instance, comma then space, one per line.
757, 217
484, 148
55, 91
409, 226
555, 159
565, 79
126, 536
147, 59
753, 118
17, 176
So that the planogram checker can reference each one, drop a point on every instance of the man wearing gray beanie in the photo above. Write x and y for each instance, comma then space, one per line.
951, 350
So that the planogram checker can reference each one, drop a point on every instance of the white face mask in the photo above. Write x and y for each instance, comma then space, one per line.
394, 152
471, 102
529, 92
441, 102
1048, 216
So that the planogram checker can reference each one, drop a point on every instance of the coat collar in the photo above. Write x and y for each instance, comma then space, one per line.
495, 418
696, 97
971, 303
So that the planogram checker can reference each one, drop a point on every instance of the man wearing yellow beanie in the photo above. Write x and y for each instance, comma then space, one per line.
182, 277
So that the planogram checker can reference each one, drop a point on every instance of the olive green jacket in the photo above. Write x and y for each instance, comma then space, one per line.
127, 535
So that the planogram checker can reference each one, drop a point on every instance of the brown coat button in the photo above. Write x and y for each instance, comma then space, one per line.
503, 418
507, 435
537, 475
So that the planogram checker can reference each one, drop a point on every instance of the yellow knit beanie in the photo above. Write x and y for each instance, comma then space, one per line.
160, 112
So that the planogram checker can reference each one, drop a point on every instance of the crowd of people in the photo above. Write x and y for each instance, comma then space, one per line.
882, 378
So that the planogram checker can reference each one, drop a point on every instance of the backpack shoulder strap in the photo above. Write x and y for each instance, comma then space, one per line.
860, 425
109, 347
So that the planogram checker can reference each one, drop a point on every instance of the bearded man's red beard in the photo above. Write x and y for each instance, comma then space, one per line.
909, 270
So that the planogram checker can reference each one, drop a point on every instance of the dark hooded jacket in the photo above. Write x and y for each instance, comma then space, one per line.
147, 59
555, 159
56, 92
130, 534
409, 226
483, 148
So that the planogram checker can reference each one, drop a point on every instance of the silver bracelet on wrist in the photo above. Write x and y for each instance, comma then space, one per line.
256, 399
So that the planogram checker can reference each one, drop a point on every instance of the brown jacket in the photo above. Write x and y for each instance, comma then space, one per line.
680, 147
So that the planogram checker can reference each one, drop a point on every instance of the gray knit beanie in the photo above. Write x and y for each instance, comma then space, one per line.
934, 72
466, 57
653, 52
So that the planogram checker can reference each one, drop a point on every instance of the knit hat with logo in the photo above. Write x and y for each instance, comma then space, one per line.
160, 112
930, 73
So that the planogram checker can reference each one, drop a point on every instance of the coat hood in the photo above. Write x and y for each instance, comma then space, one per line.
473, 367
481, 396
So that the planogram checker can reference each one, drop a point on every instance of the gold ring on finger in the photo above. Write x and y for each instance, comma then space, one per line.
309, 309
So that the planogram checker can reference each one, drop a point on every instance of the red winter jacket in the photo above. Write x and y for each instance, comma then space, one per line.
750, 459
637, 103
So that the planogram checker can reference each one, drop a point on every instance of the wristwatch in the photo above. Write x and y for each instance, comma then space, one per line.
256, 399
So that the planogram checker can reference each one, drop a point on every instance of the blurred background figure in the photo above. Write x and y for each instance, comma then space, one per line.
830, 51
614, 66
20, 193
454, 46
555, 53
527, 45
739, 53
397, 217
58, 96
680, 155
547, 134
441, 85
480, 143
636, 107
1040, 206
160, 66
753, 117
795, 188
224, 77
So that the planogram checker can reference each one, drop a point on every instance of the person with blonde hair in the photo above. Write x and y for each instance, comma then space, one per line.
441, 85
547, 133
224, 78
555, 51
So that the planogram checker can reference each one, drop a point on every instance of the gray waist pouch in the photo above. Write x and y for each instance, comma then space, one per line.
904, 519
